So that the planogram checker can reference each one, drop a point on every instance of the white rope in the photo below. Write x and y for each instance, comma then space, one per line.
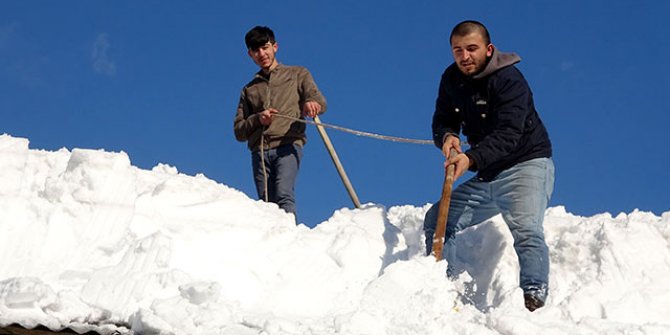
265, 174
358, 132
346, 130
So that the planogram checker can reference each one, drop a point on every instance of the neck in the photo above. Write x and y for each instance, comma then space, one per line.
272, 66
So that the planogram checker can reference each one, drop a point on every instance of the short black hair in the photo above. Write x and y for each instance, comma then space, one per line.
258, 36
470, 26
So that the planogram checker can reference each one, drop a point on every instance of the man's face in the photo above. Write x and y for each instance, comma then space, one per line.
470, 53
264, 56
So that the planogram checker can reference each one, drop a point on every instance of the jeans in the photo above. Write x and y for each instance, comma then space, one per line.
520, 194
281, 166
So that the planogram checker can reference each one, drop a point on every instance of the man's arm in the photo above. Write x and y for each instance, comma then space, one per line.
245, 123
446, 121
310, 95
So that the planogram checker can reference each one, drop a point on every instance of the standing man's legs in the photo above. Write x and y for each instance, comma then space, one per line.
287, 164
281, 169
522, 194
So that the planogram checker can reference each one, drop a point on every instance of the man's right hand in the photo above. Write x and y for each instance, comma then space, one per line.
266, 116
451, 142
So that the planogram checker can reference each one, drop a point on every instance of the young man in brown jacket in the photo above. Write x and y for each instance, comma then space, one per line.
266, 113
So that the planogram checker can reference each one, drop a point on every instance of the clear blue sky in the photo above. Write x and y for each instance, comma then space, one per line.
160, 80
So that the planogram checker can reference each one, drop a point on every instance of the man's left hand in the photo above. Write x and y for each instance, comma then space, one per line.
311, 109
462, 163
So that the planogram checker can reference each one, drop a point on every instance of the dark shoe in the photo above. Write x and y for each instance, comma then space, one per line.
532, 302
534, 297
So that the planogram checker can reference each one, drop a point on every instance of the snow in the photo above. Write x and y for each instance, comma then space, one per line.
90, 242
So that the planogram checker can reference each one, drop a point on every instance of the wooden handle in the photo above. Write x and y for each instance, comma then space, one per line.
443, 212
336, 161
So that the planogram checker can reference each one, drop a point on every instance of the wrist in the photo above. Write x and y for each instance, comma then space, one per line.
472, 164
444, 138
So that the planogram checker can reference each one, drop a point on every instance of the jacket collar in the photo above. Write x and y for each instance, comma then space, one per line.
263, 75
498, 61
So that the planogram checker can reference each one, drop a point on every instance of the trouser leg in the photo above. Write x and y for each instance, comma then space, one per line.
287, 165
522, 194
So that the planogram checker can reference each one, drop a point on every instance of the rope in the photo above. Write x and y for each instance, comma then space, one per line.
265, 173
344, 129
358, 132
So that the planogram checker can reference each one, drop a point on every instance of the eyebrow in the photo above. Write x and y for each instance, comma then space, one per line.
465, 47
261, 46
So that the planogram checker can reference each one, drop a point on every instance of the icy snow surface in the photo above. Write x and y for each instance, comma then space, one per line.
90, 242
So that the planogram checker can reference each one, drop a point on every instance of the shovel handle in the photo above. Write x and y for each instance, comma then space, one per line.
336, 161
443, 212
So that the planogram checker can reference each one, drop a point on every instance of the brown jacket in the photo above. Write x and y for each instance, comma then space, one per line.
286, 89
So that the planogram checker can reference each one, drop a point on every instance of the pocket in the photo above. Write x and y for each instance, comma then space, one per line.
255, 97
298, 151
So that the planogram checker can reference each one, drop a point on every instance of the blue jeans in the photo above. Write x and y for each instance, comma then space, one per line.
281, 166
520, 194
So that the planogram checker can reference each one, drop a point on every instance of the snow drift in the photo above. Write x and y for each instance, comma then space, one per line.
90, 242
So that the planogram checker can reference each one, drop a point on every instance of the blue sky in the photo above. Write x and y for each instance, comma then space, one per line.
160, 80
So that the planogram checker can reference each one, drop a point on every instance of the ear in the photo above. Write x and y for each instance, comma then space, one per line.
250, 54
275, 46
489, 50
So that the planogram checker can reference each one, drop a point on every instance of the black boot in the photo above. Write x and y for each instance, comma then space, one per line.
534, 297
532, 302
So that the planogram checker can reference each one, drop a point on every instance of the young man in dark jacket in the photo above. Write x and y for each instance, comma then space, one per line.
484, 96
275, 142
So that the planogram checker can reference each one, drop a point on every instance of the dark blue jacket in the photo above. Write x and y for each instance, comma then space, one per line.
495, 111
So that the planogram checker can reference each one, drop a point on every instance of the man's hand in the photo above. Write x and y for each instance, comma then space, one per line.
266, 116
311, 109
451, 142
461, 162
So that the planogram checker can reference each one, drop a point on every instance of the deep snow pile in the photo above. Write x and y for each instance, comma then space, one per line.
88, 241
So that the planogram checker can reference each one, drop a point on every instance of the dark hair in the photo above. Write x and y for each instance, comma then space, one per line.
258, 36
470, 26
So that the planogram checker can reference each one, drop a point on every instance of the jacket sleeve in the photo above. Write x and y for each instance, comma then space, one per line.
245, 123
445, 118
309, 91
511, 103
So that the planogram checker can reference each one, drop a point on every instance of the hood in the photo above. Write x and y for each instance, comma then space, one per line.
498, 61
